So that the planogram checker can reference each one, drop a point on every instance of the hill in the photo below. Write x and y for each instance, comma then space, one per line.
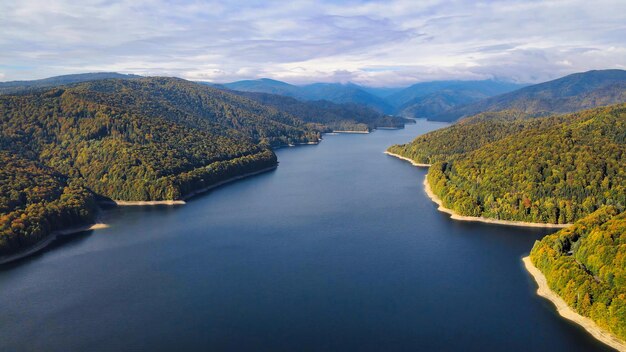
553, 170
585, 264
469, 134
22, 86
134, 140
567, 94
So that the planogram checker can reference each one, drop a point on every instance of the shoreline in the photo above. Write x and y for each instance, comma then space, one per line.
232, 179
357, 132
568, 313
46, 241
406, 159
124, 203
455, 216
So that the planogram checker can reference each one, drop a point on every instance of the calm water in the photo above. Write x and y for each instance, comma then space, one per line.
338, 249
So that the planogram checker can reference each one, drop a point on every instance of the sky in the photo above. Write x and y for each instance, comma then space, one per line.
376, 43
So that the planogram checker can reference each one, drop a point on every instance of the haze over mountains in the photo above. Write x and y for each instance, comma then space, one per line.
452, 100
422, 100
438, 100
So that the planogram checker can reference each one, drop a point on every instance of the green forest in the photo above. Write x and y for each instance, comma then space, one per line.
142, 139
585, 264
553, 169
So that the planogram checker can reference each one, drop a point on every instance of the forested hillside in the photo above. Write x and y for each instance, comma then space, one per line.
571, 93
469, 134
553, 170
140, 139
336, 117
585, 264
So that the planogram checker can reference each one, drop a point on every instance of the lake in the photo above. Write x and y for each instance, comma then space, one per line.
338, 249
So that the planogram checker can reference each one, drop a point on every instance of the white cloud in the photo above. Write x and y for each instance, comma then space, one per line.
380, 43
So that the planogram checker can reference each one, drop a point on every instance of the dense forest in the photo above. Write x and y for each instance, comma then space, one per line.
553, 169
470, 134
585, 264
139, 139
35, 200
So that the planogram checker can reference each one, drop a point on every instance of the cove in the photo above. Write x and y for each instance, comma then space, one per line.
337, 249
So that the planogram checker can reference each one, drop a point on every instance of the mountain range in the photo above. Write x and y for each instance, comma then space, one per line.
422, 100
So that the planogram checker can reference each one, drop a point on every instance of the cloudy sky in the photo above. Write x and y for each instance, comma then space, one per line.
378, 43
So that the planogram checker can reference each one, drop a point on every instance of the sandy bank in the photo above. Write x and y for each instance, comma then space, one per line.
49, 239
407, 159
124, 203
566, 312
454, 215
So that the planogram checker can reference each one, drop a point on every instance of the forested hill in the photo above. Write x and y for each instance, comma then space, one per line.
554, 169
585, 264
199, 106
337, 117
140, 139
24, 86
470, 134
567, 94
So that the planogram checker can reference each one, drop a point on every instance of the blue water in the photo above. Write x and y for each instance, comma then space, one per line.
338, 249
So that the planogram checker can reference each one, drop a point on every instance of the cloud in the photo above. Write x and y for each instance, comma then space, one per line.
381, 43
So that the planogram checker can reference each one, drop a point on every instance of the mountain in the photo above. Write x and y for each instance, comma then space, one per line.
430, 99
425, 99
145, 139
345, 93
333, 92
480, 89
335, 117
567, 94
265, 85
21, 86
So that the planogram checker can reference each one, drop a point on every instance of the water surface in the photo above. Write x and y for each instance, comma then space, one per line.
338, 249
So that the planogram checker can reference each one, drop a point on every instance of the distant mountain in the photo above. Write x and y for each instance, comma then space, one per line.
333, 92
344, 117
567, 94
20, 86
428, 99
345, 93
425, 99
265, 85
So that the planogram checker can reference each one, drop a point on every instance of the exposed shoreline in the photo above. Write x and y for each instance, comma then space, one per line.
406, 159
72, 230
45, 242
232, 179
455, 216
182, 201
125, 203
566, 312
358, 132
